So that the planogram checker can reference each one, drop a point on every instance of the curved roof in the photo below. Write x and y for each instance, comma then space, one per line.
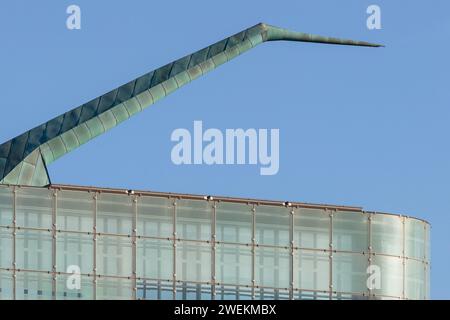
24, 159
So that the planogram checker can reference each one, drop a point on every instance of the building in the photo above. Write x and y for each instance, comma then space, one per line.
120, 244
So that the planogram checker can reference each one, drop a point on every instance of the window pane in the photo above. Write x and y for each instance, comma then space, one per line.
311, 270
155, 259
391, 270
155, 217
193, 291
6, 285
415, 238
6, 246
34, 250
350, 272
114, 256
114, 214
34, 286
194, 220
350, 231
154, 290
6, 202
234, 222
75, 249
415, 279
271, 294
114, 289
272, 225
311, 228
193, 261
387, 234
272, 267
75, 211
34, 208
233, 264
65, 292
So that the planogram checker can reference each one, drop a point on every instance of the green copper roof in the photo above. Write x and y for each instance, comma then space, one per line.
24, 159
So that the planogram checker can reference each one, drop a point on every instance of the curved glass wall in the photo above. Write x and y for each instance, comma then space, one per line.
85, 243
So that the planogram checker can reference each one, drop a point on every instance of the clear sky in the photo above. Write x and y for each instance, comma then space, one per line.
358, 126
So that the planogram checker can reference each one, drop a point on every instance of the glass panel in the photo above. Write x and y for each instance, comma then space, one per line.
155, 259
272, 267
74, 249
34, 208
114, 214
193, 291
6, 202
34, 250
75, 211
272, 225
311, 270
234, 222
114, 256
154, 290
194, 220
391, 273
34, 286
271, 294
6, 285
350, 231
70, 292
193, 261
427, 242
155, 217
387, 234
311, 228
233, 293
415, 238
6, 247
114, 289
415, 279
350, 272
233, 264
311, 295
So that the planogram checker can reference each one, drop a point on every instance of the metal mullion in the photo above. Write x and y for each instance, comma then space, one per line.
253, 250
424, 262
214, 250
134, 243
54, 213
369, 237
14, 233
95, 199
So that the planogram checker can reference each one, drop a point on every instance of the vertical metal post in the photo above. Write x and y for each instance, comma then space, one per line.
213, 252
54, 253
253, 251
133, 249
291, 262
174, 239
95, 199
425, 262
14, 233
331, 256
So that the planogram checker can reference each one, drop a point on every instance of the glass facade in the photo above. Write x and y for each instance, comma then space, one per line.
66, 242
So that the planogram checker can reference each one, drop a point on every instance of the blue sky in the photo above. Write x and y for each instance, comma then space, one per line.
358, 126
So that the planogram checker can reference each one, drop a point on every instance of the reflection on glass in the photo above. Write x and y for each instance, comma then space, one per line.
233, 264
34, 286
114, 256
75, 249
6, 247
234, 222
154, 290
193, 291
6, 203
70, 292
6, 285
114, 289
193, 261
114, 214
387, 234
350, 272
272, 267
75, 211
155, 217
272, 225
415, 238
350, 231
155, 259
34, 250
194, 220
391, 273
311, 228
34, 208
415, 279
311, 270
